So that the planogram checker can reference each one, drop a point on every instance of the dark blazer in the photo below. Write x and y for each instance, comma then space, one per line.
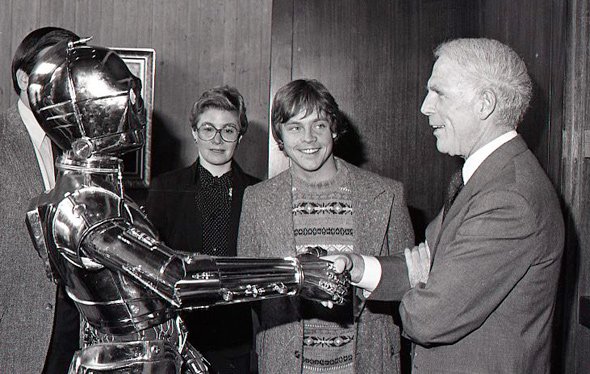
489, 301
171, 206
381, 227
27, 297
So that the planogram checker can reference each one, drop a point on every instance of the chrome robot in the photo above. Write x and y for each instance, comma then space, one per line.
128, 286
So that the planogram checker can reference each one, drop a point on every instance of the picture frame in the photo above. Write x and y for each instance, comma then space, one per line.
137, 165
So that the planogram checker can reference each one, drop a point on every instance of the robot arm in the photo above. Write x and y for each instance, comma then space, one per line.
120, 246
192, 281
223, 280
118, 237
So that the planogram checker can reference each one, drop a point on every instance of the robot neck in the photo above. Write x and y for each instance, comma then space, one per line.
103, 171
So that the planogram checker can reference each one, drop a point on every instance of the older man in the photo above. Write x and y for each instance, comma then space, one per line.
487, 305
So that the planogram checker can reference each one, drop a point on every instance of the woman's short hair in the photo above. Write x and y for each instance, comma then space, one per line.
489, 64
305, 95
223, 98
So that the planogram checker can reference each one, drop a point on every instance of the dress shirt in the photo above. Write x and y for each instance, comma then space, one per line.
372, 275
479, 156
41, 144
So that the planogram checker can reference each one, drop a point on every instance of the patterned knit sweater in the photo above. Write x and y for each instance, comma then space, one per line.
323, 217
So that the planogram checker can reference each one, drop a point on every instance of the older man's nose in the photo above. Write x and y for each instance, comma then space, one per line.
427, 107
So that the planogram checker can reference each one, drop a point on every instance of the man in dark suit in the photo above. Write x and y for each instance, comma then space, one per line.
39, 328
197, 209
487, 304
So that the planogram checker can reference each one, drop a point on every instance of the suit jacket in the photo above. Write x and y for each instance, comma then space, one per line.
489, 301
381, 226
27, 297
172, 207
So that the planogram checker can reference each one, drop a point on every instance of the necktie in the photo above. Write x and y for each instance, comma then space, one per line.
455, 186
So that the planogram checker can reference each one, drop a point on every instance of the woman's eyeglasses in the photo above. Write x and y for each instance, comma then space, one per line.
228, 133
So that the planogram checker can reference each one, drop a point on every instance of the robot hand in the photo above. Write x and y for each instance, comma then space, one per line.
320, 282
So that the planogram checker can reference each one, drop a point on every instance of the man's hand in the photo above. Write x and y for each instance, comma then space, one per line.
418, 263
320, 281
351, 262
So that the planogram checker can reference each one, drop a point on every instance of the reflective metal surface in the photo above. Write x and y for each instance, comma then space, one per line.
139, 357
128, 286
87, 100
223, 280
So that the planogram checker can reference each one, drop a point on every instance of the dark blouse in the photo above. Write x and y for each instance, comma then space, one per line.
214, 201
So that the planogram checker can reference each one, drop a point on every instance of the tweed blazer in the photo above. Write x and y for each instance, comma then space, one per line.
381, 226
489, 301
27, 297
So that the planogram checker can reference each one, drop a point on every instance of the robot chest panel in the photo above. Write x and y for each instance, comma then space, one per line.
112, 302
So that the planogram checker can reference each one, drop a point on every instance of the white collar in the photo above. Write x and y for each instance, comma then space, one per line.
477, 158
35, 131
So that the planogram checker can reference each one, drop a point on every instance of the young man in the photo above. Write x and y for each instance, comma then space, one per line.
322, 201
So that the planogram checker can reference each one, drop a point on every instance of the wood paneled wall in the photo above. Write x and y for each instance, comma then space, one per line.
199, 44
535, 29
375, 58
575, 186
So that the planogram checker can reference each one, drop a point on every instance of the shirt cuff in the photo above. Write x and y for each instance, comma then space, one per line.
371, 275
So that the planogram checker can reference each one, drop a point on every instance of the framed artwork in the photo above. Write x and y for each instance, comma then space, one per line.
137, 164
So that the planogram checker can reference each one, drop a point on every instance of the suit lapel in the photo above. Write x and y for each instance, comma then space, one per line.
239, 184
487, 171
278, 209
371, 204
432, 236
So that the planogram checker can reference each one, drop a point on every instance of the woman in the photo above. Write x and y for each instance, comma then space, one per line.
322, 201
197, 209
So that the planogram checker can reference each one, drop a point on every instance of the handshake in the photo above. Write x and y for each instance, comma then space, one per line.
320, 280
328, 279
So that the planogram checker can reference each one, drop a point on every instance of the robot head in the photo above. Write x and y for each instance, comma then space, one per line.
87, 100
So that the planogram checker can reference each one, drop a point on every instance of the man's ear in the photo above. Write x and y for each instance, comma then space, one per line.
22, 79
487, 104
